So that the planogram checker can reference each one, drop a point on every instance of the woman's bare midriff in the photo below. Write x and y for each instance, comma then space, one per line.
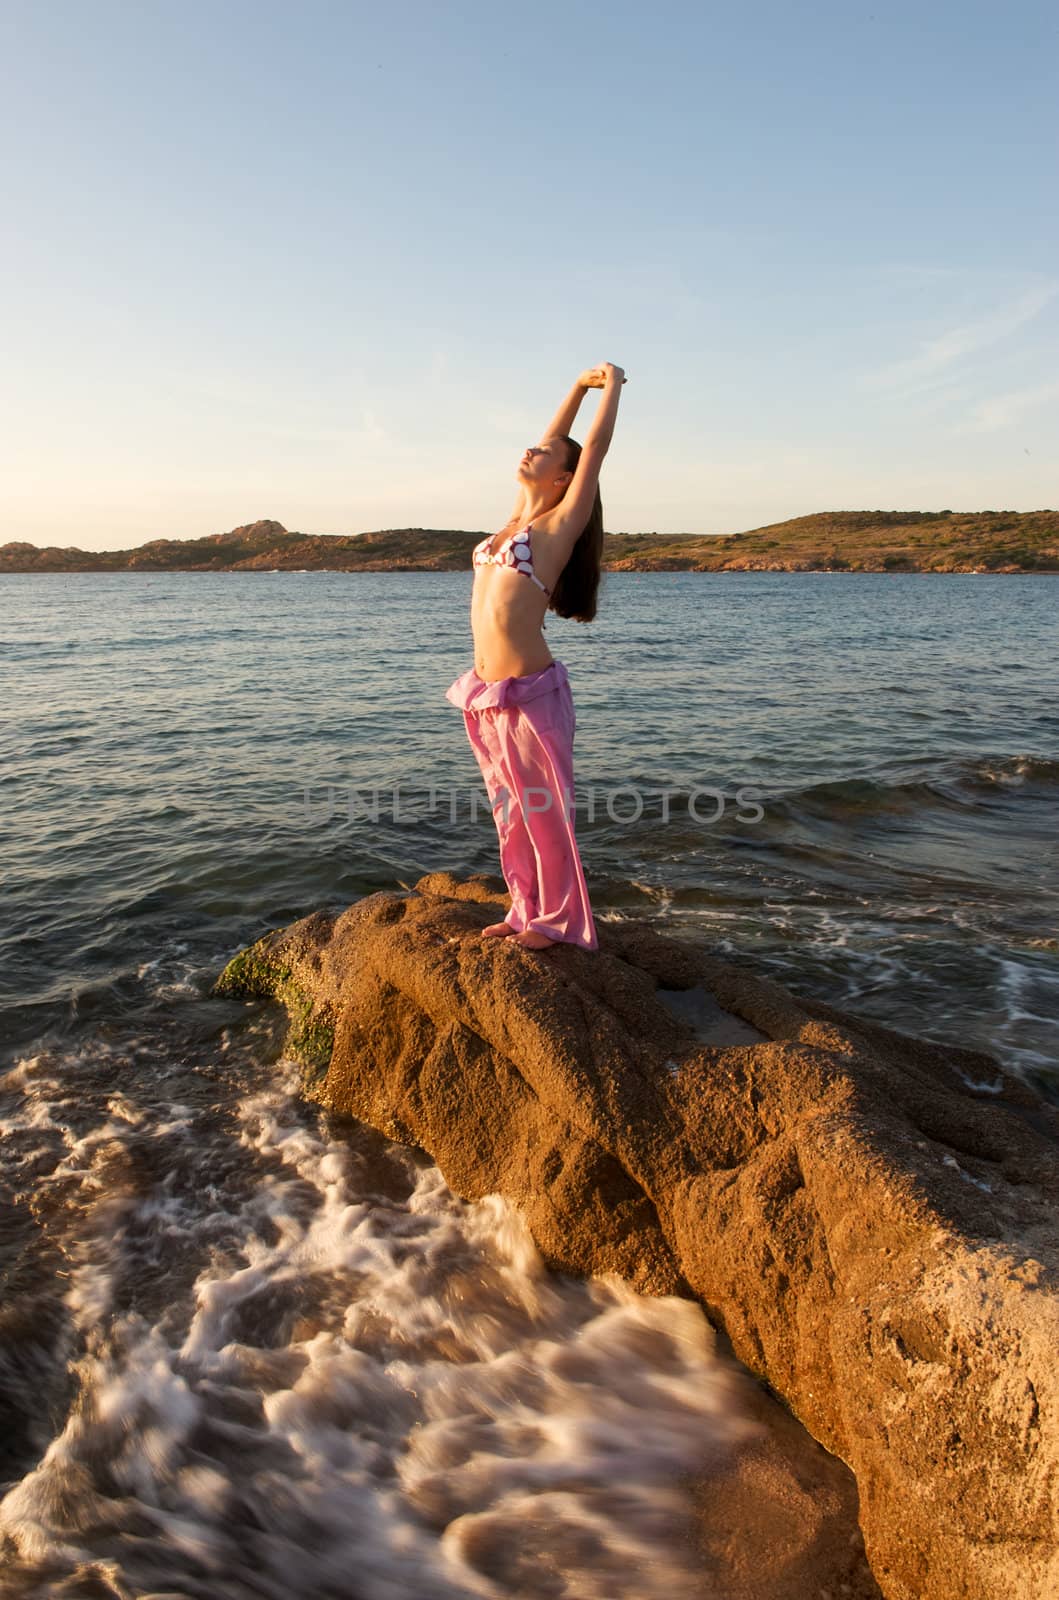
506, 624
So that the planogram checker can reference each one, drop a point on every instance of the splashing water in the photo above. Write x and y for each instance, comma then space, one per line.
284, 1358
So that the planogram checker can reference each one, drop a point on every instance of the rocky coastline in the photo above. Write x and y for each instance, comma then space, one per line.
843, 541
868, 1218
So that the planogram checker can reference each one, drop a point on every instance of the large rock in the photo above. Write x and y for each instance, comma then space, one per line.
870, 1217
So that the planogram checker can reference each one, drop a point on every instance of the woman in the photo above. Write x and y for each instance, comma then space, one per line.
516, 699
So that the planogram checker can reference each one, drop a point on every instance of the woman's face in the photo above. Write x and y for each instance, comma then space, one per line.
543, 466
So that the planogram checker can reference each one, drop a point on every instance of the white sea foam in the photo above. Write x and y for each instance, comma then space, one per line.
374, 1388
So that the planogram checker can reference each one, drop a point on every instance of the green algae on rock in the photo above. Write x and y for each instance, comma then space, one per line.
258, 973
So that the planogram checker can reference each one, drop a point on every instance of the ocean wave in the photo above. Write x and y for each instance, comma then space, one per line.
957, 781
297, 1354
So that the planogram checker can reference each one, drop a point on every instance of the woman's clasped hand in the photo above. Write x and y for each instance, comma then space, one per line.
596, 377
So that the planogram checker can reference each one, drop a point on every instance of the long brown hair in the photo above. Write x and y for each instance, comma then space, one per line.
577, 587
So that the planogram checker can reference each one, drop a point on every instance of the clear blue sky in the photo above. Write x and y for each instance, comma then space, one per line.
337, 263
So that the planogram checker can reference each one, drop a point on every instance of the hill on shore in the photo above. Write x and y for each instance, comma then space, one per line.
829, 541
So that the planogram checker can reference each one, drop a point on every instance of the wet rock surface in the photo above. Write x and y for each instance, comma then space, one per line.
868, 1217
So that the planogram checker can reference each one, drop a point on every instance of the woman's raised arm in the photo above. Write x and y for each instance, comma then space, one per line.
563, 419
575, 508
599, 435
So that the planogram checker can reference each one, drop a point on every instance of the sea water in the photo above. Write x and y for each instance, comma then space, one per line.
250, 1350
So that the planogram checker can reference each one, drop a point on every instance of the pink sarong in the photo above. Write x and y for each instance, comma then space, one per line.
522, 733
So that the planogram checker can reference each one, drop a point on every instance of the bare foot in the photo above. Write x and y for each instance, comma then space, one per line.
497, 930
529, 940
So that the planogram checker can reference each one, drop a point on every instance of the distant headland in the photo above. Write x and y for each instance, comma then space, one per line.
828, 541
